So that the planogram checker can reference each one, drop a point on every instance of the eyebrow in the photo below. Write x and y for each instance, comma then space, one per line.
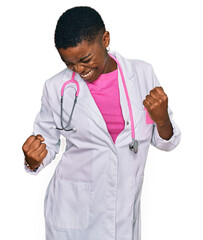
83, 58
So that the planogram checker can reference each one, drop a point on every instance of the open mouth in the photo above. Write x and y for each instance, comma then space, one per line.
88, 74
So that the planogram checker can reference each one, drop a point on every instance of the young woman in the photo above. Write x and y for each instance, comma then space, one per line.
111, 110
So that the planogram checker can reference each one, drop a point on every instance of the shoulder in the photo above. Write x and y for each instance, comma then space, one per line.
140, 66
142, 69
133, 66
57, 78
139, 72
52, 86
144, 75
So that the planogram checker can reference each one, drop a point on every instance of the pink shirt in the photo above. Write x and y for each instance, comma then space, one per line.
105, 92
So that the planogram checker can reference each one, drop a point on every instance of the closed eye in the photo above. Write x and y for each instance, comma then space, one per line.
86, 61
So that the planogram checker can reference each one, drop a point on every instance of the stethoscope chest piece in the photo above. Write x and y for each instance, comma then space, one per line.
134, 145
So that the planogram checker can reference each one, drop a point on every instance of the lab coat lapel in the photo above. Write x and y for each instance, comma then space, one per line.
131, 81
133, 91
85, 98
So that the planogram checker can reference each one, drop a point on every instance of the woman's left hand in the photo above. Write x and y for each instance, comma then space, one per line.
156, 104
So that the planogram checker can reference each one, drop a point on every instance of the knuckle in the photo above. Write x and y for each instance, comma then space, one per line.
43, 145
36, 143
29, 154
151, 108
24, 148
152, 91
155, 105
160, 100
38, 135
165, 97
31, 137
144, 102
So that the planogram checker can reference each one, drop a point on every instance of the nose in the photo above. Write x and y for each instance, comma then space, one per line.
78, 68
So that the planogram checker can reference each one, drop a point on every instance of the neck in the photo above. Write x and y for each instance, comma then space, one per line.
112, 65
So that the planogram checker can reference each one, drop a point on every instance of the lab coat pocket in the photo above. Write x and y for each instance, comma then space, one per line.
143, 130
72, 204
148, 119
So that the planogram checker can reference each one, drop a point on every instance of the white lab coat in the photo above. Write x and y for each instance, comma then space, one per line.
95, 191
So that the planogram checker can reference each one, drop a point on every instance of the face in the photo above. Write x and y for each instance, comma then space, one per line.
90, 60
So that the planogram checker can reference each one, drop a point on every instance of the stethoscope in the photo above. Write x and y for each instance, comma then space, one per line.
133, 146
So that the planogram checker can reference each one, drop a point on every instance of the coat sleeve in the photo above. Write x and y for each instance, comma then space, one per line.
44, 125
157, 141
166, 145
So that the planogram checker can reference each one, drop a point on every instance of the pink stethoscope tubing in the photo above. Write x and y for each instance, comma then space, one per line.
127, 97
75, 101
134, 145
71, 81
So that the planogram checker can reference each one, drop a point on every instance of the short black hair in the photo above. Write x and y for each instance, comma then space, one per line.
78, 24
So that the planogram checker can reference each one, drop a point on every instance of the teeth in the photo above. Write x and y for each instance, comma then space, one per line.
87, 74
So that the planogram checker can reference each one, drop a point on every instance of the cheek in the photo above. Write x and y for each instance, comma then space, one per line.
96, 65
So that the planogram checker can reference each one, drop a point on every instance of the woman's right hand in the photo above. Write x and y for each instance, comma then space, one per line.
35, 151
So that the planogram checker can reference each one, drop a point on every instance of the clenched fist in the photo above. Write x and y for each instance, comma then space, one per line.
156, 104
35, 151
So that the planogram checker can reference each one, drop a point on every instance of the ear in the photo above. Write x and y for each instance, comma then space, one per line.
106, 39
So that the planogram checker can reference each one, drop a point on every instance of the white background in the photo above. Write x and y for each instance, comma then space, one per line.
167, 34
